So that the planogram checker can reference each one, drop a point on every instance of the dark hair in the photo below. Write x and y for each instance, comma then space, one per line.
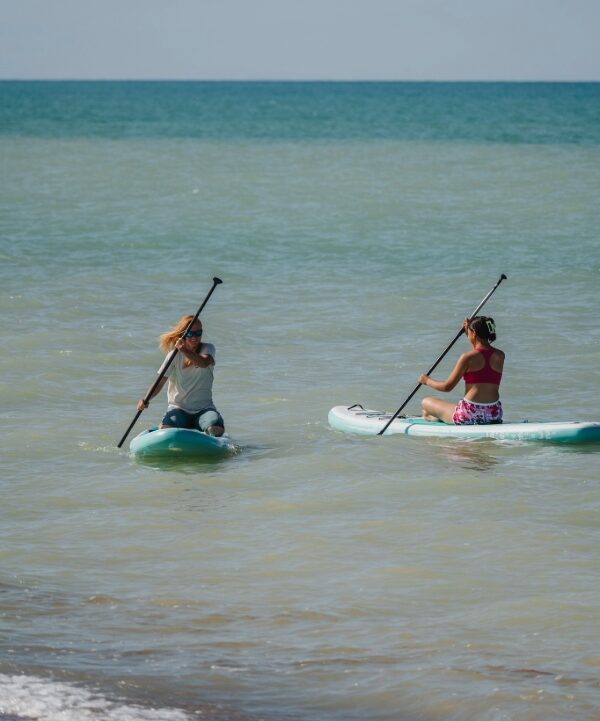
483, 327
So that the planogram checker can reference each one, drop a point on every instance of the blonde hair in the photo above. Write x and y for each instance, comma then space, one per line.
168, 339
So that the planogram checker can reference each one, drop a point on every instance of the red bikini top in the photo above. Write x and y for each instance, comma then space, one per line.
487, 374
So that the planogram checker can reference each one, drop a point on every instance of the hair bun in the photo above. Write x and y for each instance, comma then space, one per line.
491, 328
484, 327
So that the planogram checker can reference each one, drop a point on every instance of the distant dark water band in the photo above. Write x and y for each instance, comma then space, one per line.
513, 113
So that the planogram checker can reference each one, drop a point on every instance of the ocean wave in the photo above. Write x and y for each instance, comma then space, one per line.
29, 698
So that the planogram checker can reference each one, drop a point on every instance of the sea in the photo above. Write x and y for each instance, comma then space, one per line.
314, 575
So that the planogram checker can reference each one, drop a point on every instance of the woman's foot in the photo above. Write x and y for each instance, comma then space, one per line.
215, 431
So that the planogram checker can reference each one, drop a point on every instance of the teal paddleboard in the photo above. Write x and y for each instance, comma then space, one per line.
182, 442
356, 419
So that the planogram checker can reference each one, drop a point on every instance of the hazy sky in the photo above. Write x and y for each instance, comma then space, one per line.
301, 39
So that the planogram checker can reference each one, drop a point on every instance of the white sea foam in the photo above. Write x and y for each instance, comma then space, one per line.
36, 698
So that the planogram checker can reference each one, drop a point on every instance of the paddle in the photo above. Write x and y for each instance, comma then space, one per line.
168, 361
430, 371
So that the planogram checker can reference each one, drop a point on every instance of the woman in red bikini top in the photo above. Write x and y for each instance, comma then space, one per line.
481, 369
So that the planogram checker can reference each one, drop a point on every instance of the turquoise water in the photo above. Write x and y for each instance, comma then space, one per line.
314, 576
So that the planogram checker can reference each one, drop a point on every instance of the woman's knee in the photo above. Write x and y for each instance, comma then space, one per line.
427, 403
211, 422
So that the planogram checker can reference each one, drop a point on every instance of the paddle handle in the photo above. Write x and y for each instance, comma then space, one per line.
439, 360
163, 369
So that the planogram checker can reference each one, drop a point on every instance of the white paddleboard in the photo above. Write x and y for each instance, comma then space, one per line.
356, 419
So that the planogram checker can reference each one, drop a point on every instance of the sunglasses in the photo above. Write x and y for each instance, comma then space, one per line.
193, 334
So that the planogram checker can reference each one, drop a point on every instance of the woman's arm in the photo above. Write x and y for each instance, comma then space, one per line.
452, 380
141, 405
200, 360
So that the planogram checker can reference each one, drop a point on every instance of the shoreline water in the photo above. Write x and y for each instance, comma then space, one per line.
24, 697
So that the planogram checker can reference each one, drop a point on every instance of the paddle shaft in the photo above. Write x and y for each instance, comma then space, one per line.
168, 361
433, 367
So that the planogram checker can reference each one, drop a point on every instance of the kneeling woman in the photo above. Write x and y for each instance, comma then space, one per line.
481, 369
190, 376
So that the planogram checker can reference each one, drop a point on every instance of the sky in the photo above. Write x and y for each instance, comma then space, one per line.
300, 39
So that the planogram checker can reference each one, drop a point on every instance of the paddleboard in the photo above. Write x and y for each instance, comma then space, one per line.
157, 442
356, 419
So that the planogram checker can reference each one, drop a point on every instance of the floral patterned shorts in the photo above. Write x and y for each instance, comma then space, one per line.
468, 413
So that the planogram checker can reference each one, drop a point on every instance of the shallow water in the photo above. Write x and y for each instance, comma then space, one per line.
314, 575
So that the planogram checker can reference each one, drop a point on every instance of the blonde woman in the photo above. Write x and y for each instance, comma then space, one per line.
190, 377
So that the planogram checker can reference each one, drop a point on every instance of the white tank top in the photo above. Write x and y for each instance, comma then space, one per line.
191, 388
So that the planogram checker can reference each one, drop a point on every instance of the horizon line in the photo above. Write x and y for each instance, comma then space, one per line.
285, 80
